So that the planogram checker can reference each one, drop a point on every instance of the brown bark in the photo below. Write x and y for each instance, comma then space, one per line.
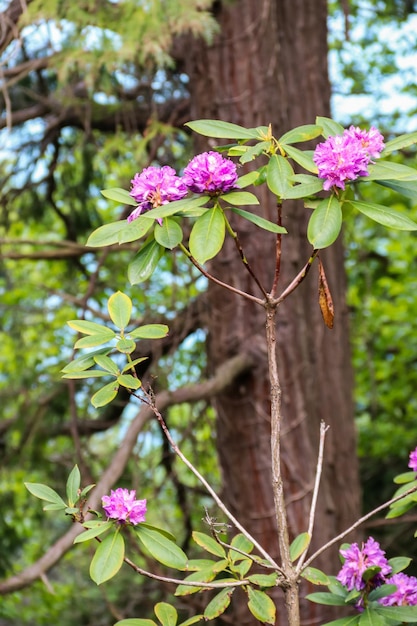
269, 65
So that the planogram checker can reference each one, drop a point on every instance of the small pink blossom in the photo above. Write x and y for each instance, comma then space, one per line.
122, 506
345, 157
358, 560
413, 460
210, 173
155, 186
406, 592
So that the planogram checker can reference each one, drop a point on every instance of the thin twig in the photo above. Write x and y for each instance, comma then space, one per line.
278, 252
323, 430
298, 279
150, 402
358, 523
242, 255
209, 276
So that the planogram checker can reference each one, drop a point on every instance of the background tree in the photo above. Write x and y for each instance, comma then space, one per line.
93, 95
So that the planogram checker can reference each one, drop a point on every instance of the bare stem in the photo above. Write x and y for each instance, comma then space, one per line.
213, 279
243, 257
298, 279
207, 486
276, 418
323, 430
360, 521
278, 252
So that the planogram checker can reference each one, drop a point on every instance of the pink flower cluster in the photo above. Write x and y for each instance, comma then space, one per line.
122, 506
358, 560
406, 592
208, 172
413, 460
346, 157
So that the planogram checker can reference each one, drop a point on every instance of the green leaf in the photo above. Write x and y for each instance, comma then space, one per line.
330, 599
107, 364
73, 485
120, 195
299, 545
252, 152
84, 362
301, 133
95, 340
85, 374
136, 621
248, 179
329, 126
223, 130
108, 558
352, 620
238, 198
191, 620
303, 158
196, 565
145, 262
105, 395
406, 477
325, 223
241, 568
89, 328
398, 564
166, 613
161, 548
400, 142
126, 345
371, 618
315, 576
119, 306
242, 543
278, 175
150, 331
209, 544
218, 604
260, 221
385, 216
92, 533
106, 235
43, 492
54, 507
309, 185
382, 592
388, 170
264, 580
398, 613
133, 363
405, 188
134, 230
207, 235
261, 606
203, 576
169, 234
178, 207
129, 381
162, 531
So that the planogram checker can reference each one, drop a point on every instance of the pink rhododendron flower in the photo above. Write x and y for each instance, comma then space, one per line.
406, 593
358, 560
413, 460
155, 186
122, 506
211, 173
346, 157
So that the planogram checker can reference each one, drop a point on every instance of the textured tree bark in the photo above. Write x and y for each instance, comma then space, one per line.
269, 65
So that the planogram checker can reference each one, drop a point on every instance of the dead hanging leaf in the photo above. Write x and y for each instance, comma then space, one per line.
325, 298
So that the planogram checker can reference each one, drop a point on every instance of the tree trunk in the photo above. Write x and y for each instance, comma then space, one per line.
269, 65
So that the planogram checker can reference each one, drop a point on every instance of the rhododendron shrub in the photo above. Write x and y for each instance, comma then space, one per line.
194, 211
